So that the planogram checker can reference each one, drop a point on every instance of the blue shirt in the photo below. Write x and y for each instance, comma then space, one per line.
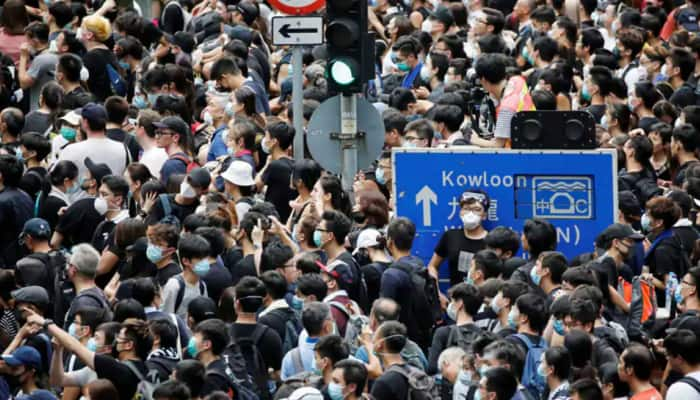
218, 147
306, 348
173, 166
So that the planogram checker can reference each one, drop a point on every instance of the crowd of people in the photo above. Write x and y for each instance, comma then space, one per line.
158, 240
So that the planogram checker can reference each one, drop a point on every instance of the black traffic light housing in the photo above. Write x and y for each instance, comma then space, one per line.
350, 46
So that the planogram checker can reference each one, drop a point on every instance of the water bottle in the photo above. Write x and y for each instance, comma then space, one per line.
671, 286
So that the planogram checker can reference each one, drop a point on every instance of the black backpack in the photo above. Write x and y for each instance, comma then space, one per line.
463, 336
292, 327
425, 301
244, 352
421, 386
235, 391
159, 369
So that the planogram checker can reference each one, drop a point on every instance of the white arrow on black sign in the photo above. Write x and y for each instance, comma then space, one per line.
297, 31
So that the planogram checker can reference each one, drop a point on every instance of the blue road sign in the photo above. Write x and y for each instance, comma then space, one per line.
575, 190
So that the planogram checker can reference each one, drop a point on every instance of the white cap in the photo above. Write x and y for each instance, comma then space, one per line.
367, 238
72, 118
306, 393
239, 173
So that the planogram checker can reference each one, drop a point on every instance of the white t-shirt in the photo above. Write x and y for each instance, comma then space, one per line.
100, 150
681, 390
154, 159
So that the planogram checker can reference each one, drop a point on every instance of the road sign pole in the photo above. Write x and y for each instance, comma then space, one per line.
298, 103
348, 132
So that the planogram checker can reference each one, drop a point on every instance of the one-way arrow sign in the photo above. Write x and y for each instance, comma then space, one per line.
426, 196
297, 31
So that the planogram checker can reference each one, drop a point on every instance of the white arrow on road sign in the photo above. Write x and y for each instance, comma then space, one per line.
426, 196
297, 31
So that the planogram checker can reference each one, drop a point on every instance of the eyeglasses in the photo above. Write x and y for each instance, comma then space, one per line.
162, 132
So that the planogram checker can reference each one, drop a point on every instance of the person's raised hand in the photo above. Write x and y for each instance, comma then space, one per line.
258, 233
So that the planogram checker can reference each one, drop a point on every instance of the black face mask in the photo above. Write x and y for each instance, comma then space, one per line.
14, 382
20, 317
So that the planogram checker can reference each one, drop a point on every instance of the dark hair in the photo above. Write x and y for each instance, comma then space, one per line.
559, 360
491, 67
450, 115
215, 331
191, 373
556, 263
139, 172
332, 347
312, 284
308, 172
646, 91
223, 66
70, 65
469, 295
14, 17
353, 372
502, 382
61, 12
687, 136
117, 185
394, 335
215, 237
393, 119
14, 119
166, 330
583, 311
275, 284
586, 389
250, 292
684, 60
402, 231
632, 40
540, 235
117, 109
504, 239
544, 100
144, 290
91, 317
137, 332
640, 359
683, 343
337, 224
172, 390
34, 141
400, 98
535, 308
191, 246
374, 206
275, 255
61, 171
580, 348
509, 353
488, 262
283, 132
512, 290
547, 47
340, 200
128, 308
664, 209
592, 38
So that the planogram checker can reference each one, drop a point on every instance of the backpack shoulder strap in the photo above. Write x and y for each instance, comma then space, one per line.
525, 340
259, 332
692, 382
296, 360
134, 370
202, 287
180, 291
165, 204
340, 307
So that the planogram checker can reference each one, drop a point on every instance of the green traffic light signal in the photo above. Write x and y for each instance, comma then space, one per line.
344, 71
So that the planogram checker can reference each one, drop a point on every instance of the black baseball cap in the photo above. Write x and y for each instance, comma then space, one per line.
94, 113
98, 171
619, 231
175, 124
443, 15
628, 203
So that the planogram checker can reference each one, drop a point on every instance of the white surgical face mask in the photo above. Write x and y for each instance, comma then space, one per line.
187, 191
471, 220
427, 26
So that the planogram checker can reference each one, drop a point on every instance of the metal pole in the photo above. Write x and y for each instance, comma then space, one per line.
348, 131
297, 103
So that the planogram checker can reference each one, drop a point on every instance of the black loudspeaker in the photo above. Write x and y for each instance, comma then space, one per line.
571, 130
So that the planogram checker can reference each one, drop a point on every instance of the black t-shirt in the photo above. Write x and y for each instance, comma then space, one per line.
96, 61
231, 257
269, 346
167, 272
458, 249
129, 141
597, 110
103, 233
49, 208
15, 209
277, 178
390, 386
78, 222
181, 211
77, 98
245, 267
683, 96
373, 278
277, 320
687, 235
646, 123
119, 374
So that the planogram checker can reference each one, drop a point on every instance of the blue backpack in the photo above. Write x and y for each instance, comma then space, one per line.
116, 82
533, 382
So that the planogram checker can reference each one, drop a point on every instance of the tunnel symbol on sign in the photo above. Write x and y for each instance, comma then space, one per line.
562, 197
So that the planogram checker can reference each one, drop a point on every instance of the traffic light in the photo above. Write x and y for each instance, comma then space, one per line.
350, 46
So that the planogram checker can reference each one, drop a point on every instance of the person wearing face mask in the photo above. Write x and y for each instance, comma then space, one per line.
594, 90
433, 74
72, 223
452, 364
36, 267
555, 368
182, 288
277, 172
76, 380
80, 274
485, 264
184, 203
318, 322
83, 328
465, 301
687, 299
386, 346
503, 302
21, 371
371, 254
347, 380
69, 74
458, 246
63, 184
217, 104
407, 63
498, 384
664, 251
34, 148
28, 300
110, 204
162, 244
547, 273
207, 343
